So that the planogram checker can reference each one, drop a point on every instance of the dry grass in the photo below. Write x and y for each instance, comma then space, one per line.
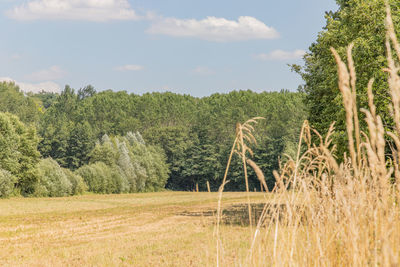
117, 230
338, 214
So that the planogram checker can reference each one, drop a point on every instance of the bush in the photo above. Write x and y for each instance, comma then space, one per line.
121, 182
89, 175
132, 165
78, 185
53, 181
103, 179
131, 170
7, 182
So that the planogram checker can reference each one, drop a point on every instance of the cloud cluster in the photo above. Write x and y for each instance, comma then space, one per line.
34, 87
281, 55
210, 28
89, 10
215, 29
50, 74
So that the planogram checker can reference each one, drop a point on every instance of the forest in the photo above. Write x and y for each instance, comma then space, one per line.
116, 142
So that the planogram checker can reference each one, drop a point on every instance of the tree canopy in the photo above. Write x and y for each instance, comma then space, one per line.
18, 154
195, 134
98, 136
361, 23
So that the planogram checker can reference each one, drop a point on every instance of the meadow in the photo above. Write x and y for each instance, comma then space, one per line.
151, 229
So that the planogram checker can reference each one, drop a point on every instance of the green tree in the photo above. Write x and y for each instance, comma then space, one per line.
194, 134
100, 178
53, 182
136, 166
7, 182
14, 101
46, 98
66, 136
78, 185
109, 112
176, 142
18, 154
81, 141
85, 92
360, 22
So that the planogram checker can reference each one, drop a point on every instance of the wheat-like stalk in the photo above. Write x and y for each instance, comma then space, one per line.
243, 139
329, 213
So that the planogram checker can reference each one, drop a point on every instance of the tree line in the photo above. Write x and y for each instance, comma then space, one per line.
116, 142
182, 140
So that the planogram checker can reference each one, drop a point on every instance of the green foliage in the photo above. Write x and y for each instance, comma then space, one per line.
53, 181
177, 142
18, 153
46, 99
194, 134
66, 137
109, 112
104, 151
80, 142
7, 182
14, 101
215, 129
77, 183
140, 167
103, 179
361, 22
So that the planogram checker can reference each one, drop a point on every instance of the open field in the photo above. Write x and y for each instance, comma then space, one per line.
117, 230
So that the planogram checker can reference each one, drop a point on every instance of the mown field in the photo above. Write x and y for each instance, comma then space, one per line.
151, 229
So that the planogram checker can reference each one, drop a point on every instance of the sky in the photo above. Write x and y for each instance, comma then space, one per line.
182, 46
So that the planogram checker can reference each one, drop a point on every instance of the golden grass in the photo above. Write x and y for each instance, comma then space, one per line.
338, 213
117, 230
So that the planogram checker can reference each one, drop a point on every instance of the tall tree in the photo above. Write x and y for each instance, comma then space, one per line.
66, 136
360, 22
18, 154
14, 101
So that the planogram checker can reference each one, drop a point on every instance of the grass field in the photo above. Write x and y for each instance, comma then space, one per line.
151, 229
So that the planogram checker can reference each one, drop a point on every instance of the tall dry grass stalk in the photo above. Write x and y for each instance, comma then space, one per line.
326, 213
244, 138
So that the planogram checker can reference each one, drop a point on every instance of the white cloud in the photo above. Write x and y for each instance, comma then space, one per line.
34, 87
90, 10
129, 68
52, 73
203, 71
281, 55
215, 29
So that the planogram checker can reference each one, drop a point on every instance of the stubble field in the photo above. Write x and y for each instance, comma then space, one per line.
153, 229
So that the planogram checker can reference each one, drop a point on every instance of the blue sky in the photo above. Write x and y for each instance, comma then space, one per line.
183, 46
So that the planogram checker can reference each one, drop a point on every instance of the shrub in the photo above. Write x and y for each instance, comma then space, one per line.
120, 180
157, 169
131, 170
7, 182
78, 185
125, 164
89, 175
53, 182
103, 179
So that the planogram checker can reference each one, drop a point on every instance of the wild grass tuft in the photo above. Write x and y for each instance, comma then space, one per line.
329, 213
